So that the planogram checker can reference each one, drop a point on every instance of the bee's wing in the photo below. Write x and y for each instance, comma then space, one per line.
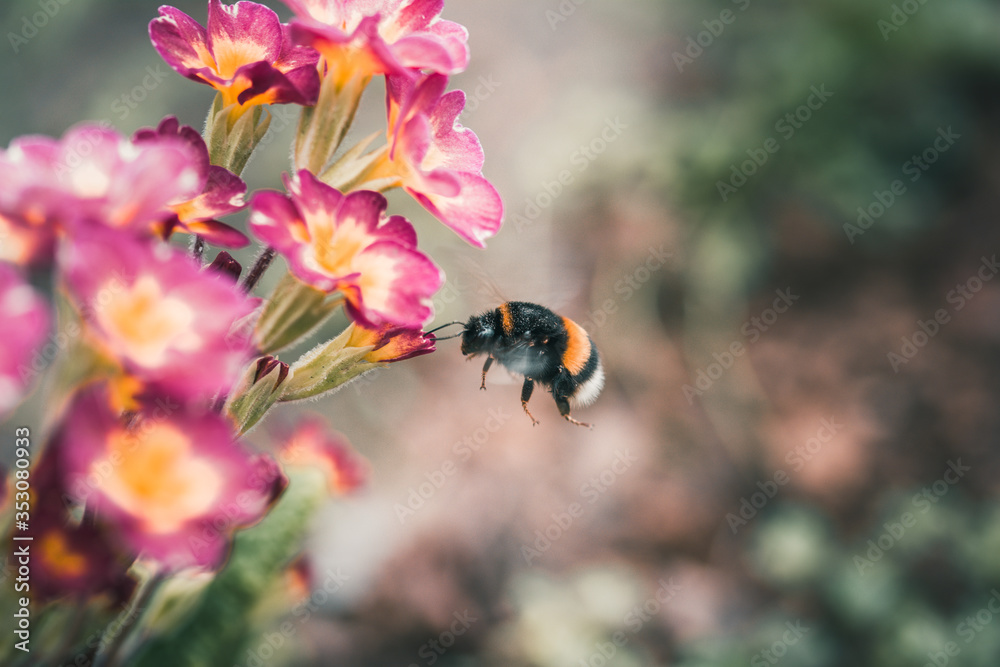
522, 278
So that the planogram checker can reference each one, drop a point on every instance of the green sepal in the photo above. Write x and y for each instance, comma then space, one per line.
293, 311
258, 389
322, 127
231, 140
326, 367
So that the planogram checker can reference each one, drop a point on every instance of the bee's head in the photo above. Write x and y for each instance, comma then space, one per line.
479, 334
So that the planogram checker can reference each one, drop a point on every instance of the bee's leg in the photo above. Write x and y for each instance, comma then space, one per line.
563, 403
486, 367
526, 390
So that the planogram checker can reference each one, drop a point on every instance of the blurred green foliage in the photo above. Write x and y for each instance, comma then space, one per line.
894, 83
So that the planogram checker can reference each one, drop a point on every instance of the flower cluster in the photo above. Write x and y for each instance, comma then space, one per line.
160, 361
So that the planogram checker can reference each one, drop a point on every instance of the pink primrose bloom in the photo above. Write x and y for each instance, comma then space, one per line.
245, 53
92, 176
334, 241
220, 191
166, 321
390, 343
362, 38
172, 485
436, 160
314, 445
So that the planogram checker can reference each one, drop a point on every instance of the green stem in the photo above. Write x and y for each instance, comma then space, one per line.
141, 599
323, 127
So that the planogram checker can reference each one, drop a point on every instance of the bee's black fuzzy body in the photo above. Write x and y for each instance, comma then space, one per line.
547, 349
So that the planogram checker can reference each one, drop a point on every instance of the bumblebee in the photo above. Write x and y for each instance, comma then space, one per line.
532, 341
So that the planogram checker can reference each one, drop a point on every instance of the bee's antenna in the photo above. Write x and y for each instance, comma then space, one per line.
428, 333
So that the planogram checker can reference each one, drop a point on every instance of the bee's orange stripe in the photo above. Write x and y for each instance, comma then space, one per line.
507, 319
577, 347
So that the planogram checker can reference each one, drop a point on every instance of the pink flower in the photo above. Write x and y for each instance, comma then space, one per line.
91, 176
344, 242
245, 54
71, 558
390, 343
165, 320
220, 191
380, 36
436, 160
25, 243
24, 321
315, 446
172, 486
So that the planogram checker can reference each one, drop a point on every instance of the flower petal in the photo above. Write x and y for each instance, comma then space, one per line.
243, 33
182, 42
475, 214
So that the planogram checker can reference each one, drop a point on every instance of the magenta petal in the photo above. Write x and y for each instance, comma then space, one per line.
223, 192
399, 229
405, 288
456, 147
243, 32
475, 214
363, 207
454, 38
418, 14
302, 88
218, 233
171, 127
293, 55
24, 321
425, 52
313, 196
181, 41
271, 219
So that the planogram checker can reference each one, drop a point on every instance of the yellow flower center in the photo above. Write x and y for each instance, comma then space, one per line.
144, 322
158, 478
335, 246
58, 556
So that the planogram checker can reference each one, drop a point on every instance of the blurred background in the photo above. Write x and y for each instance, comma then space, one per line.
778, 221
